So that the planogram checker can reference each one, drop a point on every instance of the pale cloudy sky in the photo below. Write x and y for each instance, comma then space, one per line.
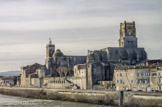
74, 26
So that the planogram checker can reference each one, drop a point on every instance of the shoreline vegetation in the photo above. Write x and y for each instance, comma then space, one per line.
113, 98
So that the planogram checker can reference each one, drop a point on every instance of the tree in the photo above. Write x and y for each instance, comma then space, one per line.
63, 70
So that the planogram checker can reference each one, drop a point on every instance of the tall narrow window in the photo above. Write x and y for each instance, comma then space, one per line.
131, 74
120, 74
121, 81
138, 74
132, 81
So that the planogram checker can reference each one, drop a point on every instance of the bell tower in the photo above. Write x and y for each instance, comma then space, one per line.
50, 49
128, 35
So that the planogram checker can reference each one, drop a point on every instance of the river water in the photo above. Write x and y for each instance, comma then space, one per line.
12, 101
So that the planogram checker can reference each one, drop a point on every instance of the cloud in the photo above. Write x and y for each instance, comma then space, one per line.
74, 25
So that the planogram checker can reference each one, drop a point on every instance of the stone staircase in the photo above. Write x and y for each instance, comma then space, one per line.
71, 85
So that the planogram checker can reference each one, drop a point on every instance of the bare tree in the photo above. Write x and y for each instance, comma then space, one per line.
63, 70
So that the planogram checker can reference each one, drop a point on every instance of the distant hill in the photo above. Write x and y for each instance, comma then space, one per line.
10, 73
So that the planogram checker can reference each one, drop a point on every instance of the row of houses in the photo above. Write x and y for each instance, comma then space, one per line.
142, 77
7, 81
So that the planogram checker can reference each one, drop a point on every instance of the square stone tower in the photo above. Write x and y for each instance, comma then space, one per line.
128, 35
50, 49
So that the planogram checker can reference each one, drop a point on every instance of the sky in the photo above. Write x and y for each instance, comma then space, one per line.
74, 26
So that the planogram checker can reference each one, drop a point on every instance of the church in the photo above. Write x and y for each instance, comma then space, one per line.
84, 72
128, 51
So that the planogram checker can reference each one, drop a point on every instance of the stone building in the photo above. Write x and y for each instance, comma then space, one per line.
7, 81
55, 71
133, 78
138, 78
128, 51
1, 81
159, 77
94, 71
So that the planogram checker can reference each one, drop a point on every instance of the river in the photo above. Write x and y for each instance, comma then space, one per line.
12, 101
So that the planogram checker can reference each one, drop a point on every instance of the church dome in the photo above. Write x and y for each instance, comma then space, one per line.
58, 53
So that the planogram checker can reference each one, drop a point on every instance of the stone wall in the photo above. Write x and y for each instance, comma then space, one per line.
86, 96
128, 99
142, 99
55, 83
36, 82
126, 55
96, 72
25, 82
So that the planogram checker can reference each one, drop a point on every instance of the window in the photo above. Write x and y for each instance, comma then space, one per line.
131, 74
117, 75
150, 74
120, 74
158, 74
129, 33
144, 74
132, 81
160, 80
148, 81
138, 81
138, 74
117, 81
126, 75
121, 81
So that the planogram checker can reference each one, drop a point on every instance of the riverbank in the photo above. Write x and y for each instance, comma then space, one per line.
88, 96
14, 101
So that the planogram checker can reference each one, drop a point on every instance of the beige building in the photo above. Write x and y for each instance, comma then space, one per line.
159, 77
135, 78
1, 81
6, 82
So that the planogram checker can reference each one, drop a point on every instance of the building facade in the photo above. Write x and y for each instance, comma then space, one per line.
138, 78
134, 78
94, 71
